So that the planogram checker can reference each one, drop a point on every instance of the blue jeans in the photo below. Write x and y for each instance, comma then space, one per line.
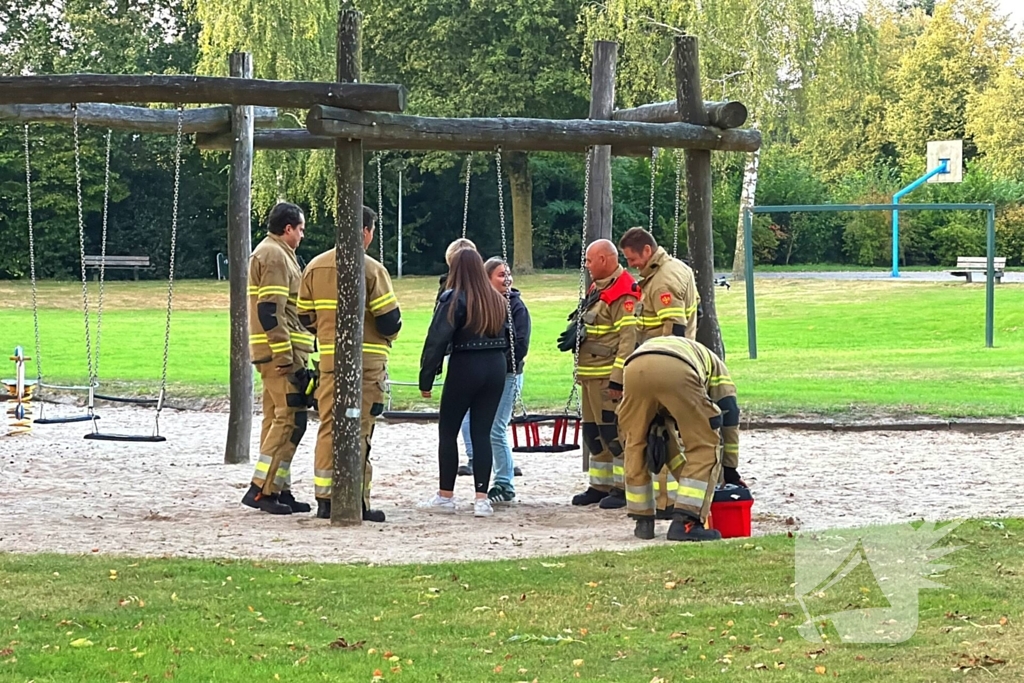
502, 451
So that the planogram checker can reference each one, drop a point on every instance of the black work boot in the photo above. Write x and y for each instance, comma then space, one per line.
686, 527
288, 499
644, 528
516, 472
255, 498
371, 515
323, 508
667, 513
616, 499
465, 471
589, 497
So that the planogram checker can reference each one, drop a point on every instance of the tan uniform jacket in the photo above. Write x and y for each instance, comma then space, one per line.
713, 374
611, 335
669, 298
318, 304
275, 334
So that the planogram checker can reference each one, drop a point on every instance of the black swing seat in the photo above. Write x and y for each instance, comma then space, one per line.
123, 399
559, 439
132, 438
410, 416
65, 420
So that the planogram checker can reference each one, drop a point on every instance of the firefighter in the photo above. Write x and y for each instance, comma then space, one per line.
675, 379
280, 347
381, 323
608, 337
669, 305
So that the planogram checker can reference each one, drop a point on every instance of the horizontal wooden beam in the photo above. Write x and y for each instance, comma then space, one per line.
538, 135
300, 138
720, 114
138, 119
113, 89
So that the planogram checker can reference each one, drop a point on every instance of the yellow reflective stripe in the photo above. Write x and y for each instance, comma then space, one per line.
627, 322
672, 312
253, 289
327, 350
381, 301
257, 339
325, 304
379, 349
322, 482
595, 371
281, 346
273, 290
720, 381
304, 304
732, 448
676, 462
619, 363
691, 492
691, 310
638, 497
302, 337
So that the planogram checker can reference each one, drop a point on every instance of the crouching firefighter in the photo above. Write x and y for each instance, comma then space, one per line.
318, 303
280, 348
605, 328
677, 380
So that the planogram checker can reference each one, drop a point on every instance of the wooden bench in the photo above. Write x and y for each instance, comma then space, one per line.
966, 266
124, 262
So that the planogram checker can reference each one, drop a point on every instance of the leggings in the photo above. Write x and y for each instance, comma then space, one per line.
475, 379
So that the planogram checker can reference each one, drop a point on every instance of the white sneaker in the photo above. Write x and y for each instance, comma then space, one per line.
482, 508
440, 505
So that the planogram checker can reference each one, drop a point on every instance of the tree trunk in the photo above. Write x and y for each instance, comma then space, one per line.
746, 201
518, 166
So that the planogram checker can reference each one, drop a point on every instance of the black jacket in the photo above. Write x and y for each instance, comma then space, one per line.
521, 324
446, 336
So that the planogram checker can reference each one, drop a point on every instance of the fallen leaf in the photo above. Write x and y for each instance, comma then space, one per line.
677, 634
396, 669
6, 652
417, 616
1003, 621
820, 670
342, 644
592, 584
670, 585
497, 669
760, 665
81, 642
577, 662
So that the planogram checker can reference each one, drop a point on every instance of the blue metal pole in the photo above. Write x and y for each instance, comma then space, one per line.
941, 168
748, 276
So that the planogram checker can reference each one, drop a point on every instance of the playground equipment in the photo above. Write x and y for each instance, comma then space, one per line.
19, 396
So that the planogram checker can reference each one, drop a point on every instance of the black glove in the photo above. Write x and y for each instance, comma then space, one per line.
657, 445
567, 340
731, 476
304, 380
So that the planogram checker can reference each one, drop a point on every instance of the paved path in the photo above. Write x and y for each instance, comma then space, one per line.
905, 276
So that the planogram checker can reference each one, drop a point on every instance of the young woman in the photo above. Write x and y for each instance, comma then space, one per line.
470, 317
503, 490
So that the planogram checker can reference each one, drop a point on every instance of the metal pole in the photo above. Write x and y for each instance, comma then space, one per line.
748, 276
399, 223
941, 168
990, 284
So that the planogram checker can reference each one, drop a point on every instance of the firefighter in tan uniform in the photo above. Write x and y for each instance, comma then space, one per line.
383, 319
608, 336
685, 380
668, 307
280, 347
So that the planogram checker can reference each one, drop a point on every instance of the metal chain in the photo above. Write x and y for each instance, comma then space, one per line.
380, 209
81, 247
32, 257
103, 258
573, 402
679, 185
517, 399
654, 175
170, 270
465, 206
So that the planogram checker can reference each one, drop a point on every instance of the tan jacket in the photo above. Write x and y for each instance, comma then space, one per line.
713, 375
275, 334
669, 298
318, 305
611, 334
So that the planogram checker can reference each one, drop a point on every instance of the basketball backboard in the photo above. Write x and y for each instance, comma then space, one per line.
952, 151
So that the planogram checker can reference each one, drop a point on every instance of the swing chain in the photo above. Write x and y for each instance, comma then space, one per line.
380, 209
465, 206
654, 175
675, 228
103, 257
517, 398
170, 271
32, 256
81, 247
573, 402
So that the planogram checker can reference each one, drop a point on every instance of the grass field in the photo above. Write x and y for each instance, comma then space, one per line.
825, 347
722, 611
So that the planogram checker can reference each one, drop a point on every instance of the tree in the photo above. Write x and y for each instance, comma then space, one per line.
995, 119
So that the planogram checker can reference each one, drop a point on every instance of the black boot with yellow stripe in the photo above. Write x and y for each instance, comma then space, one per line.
687, 527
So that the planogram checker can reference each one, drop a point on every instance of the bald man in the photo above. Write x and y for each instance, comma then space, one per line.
607, 338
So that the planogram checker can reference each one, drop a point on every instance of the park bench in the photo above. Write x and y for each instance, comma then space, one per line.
966, 266
108, 262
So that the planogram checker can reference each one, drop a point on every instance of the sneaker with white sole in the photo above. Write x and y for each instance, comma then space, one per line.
482, 508
440, 505
501, 495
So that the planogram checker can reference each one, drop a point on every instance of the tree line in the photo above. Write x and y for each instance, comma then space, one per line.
846, 101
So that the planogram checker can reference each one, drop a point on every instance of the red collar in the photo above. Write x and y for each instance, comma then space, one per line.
623, 285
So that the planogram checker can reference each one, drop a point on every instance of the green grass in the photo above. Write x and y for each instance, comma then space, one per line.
712, 612
825, 347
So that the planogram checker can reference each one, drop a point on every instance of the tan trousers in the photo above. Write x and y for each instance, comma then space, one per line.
372, 407
284, 423
601, 435
654, 382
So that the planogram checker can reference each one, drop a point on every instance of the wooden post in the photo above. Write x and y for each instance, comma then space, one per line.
602, 105
239, 248
347, 491
698, 190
